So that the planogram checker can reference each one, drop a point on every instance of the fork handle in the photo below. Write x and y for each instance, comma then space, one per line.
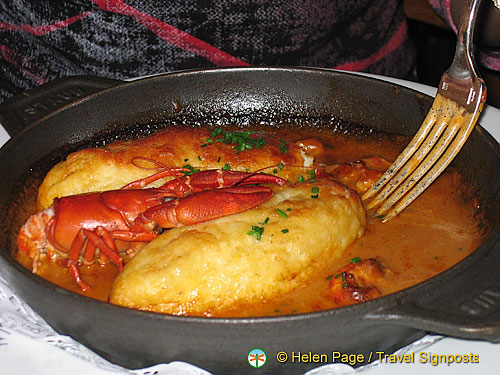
462, 75
465, 37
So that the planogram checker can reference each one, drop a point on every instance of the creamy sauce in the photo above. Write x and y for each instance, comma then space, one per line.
435, 232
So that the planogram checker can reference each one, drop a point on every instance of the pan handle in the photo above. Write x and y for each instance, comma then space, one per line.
465, 305
28, 107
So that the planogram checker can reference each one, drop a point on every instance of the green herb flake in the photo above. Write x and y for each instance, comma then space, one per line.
283, 146
218, 159
256, 232
243, 140
315, 192
281, 166
300, 178
288, 209
344, 281
356, 260
275, 171
190, 170
209, 140
285, 231
199, 157
312, 175
217, 131
226, 167
265, 221
379, 216
281, 213
329, 277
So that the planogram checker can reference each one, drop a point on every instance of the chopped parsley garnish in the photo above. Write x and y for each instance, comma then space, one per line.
199, 157
281, 213
315, 191
285, 231
356, 260
244, 140
281, 166
218, 159
312, 175
256, 232
283, 146
344, 281
300, 178
275, 171
329, 277
217, 131
226, 167
190, 171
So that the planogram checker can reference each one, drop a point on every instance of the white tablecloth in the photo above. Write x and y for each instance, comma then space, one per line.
29, 346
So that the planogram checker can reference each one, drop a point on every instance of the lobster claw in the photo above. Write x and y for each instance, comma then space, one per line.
205, 205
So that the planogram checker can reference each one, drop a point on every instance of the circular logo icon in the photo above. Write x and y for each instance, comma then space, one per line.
256, 358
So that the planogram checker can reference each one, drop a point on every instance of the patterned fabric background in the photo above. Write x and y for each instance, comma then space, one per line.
43, 40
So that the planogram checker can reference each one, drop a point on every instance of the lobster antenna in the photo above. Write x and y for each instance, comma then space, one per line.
167, 171
280, 165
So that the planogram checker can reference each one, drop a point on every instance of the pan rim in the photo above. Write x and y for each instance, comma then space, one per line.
368, 306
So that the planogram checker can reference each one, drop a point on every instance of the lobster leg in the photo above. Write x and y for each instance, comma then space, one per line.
99, 238
75, 274
204, 206
105, 243
74, 253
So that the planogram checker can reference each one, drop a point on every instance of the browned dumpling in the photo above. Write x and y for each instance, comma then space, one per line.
243, 258
114, 166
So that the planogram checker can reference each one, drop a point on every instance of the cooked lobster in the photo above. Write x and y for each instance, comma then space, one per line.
117, 222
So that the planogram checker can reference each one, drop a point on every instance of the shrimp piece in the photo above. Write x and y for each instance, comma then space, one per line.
359, 175
357, 282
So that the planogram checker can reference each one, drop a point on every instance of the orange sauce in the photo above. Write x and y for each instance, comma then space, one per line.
435, 232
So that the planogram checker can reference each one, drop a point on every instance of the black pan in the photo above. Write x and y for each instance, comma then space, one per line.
461, 302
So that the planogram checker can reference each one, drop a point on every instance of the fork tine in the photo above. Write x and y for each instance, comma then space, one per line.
410, 149
454, 112
460, 134
421, 170
439, 117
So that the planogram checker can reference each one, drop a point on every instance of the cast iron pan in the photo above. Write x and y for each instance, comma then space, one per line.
462, 302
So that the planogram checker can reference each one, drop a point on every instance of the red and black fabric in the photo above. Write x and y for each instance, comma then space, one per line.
44, 40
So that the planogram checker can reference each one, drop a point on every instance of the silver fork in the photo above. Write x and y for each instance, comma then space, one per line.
448, 124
